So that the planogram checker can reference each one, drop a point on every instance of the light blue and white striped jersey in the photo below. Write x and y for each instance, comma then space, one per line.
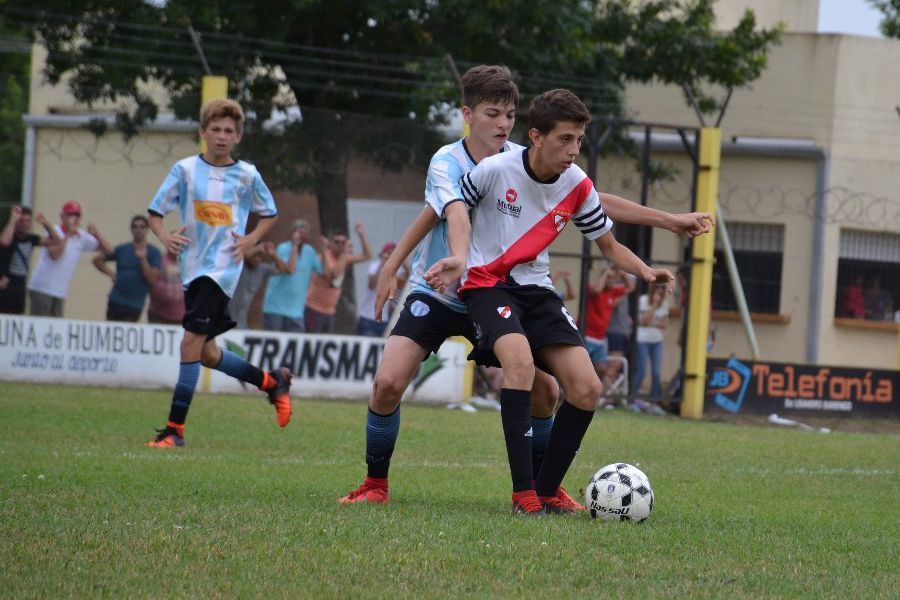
447, 166
213, 202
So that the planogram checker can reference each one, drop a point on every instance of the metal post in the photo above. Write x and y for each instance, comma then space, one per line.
736, 285
701, 276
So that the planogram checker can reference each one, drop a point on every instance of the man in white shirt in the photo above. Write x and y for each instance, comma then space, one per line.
57, 262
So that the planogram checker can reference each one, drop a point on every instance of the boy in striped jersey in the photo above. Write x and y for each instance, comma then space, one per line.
521, 202
214, 195
430, 316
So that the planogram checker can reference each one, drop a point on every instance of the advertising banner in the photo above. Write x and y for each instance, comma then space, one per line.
135, 355
744, 386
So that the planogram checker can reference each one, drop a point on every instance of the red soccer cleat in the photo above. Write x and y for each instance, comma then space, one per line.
527, 503
280, 395
562, 503
372, 490
168, 437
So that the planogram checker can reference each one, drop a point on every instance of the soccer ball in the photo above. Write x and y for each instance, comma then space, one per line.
619, 492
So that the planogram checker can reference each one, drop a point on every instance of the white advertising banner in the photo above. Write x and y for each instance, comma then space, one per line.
136, 355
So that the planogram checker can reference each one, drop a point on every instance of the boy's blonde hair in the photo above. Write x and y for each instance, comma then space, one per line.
220, 109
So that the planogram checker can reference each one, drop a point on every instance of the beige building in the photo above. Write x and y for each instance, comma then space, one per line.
810, 173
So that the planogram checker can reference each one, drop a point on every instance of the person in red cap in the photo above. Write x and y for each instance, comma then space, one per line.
57, 262
366, 324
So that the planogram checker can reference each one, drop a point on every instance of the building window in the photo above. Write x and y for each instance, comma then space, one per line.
758, 252
868, 278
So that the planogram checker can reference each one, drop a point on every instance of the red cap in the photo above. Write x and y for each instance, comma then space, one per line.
388, 248
71, 208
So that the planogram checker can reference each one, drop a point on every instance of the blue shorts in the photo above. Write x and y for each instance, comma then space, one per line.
598, 350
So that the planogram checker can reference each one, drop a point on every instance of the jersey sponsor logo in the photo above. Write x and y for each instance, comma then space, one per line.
419, 309
212, 213
507, 206
504, 311
569, 318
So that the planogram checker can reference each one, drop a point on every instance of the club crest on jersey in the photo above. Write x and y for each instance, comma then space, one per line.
504, 311
507, 206
560, 218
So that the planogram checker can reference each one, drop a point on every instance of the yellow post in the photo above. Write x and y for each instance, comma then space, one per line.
213, 87
701, 277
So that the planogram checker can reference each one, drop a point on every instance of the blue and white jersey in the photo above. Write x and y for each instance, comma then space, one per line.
447, 166
213, 202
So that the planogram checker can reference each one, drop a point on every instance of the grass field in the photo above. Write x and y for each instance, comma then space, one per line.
248, 510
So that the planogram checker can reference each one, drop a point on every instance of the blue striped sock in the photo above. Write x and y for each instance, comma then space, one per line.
188, 374
381, 436
540, 429
235, 366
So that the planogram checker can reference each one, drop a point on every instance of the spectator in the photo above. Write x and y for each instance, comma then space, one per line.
260, 262
16, 245
137, 267
603, 295
618, 335
564, 275
878, 301
653, 310
367, 325
325, 287
852, 302
56, 265
167, 293
286, 294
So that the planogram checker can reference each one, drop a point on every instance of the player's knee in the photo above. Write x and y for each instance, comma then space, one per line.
387, 391
585, 394
518, 373
544, 394
210, 356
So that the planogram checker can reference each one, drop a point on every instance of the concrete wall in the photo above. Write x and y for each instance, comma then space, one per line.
797, 15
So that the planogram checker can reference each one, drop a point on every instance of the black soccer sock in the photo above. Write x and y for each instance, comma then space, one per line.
568, 430
515, 411
381, 437
540, 427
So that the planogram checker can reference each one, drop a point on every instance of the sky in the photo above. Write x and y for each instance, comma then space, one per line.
856, 17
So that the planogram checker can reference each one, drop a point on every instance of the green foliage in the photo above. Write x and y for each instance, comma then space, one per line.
890, 24
249, 510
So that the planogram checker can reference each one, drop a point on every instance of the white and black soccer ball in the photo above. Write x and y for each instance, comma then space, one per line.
619, 492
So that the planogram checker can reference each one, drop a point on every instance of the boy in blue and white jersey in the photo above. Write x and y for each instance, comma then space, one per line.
214, 195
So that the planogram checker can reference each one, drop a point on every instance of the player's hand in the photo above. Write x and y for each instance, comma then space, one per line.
4, 282
444, 273
16, 212
385, 289
243, 246
360, 230
660, 277
175, 241
40, 218
92, 229
693, 224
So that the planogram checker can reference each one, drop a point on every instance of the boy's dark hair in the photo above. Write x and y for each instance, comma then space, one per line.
141, 218
220, 109
554, 107
489, 83
25, 210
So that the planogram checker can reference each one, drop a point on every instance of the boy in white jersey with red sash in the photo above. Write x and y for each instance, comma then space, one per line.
214, 195
429, 315
521, 202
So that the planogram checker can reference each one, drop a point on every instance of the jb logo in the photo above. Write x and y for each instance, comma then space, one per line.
729, 385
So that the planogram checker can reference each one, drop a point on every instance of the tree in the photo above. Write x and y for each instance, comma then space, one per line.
15, 51
890, 24
344, 62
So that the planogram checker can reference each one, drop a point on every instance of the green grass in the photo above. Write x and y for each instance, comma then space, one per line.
248, 509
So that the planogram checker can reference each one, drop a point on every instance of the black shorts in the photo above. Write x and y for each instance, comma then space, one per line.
206, 309
120, 312
12, 299
534, 311
428, 322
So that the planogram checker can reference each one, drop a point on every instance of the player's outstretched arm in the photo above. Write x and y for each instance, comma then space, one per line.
626, 260
386, 287
625, 211
444, 272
